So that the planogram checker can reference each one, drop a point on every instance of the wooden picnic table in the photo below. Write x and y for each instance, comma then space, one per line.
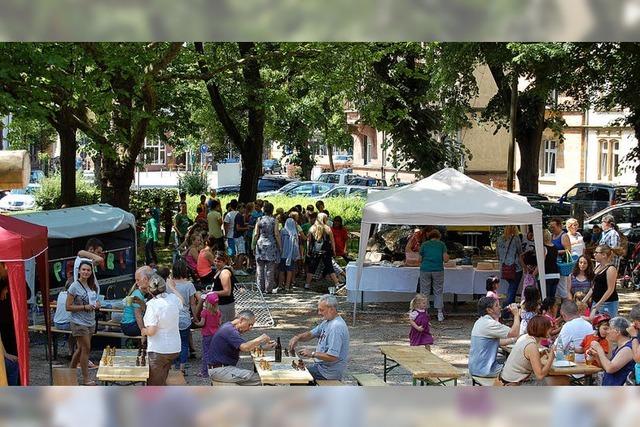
53, 305
281, 373
124, 369
581, 369
423, 365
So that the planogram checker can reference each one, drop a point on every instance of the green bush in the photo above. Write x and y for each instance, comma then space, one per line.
145, 198
193, 182
48, 196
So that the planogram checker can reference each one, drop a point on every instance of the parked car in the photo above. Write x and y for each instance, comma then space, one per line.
300, 188
593, 197
626, 215
336, 177
533, 196
367, 181
270, 183
552, 209
271, 166
347, 191
18, 200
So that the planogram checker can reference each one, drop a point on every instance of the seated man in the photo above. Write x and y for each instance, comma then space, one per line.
574, 330
488, 334
226, 346
11, 366
332, 350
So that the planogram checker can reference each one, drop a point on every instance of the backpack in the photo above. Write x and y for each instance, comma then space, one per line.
621, 250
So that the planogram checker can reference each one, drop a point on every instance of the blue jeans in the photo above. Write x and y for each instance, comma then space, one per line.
512, 291
184, 348
13, 373
315, 372
610, 307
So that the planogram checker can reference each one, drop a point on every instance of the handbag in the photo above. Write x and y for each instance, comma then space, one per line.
508, 272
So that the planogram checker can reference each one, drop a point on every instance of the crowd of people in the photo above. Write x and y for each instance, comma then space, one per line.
163, 306
586, 326
277, 245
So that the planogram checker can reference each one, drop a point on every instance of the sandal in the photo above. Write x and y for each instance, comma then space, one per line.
90, 384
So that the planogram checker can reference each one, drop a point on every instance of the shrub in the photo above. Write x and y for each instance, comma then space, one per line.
48, 196
193, 182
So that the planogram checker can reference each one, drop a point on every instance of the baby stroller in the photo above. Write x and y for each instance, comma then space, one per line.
631, 269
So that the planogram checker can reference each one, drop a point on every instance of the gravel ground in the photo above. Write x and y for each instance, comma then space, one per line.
379, 324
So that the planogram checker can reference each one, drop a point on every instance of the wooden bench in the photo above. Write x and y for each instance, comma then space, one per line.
369, 380
329, 383
176, 378
483, 381
55, 331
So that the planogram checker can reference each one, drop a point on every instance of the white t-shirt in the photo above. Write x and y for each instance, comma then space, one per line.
62, 315
229, 222
163, 311
574, 332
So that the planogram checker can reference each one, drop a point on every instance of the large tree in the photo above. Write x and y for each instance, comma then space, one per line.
43, 81
416, 93
608, 74
237, 97
125, 102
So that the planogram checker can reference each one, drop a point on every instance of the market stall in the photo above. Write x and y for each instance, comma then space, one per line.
379, 281
447, 197
21, 242
69, 230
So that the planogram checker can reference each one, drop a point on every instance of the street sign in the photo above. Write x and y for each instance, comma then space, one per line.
204, 149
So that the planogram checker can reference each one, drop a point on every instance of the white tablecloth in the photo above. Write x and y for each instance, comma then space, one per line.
387, 280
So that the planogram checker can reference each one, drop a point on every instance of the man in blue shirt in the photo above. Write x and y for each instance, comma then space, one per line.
226, 346
332, 351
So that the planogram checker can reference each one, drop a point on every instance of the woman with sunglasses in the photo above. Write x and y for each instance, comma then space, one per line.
82, 302
223, 284
603, 293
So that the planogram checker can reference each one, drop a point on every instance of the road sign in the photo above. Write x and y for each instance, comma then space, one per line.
204, 149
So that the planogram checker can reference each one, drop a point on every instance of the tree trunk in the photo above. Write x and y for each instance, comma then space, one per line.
97, 169
115, 188
251, 167
636, 156
330, 154
68, 148
529, 142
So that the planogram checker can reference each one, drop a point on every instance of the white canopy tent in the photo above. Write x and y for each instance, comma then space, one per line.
448, 197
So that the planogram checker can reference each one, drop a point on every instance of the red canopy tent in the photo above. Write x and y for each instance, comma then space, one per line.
22, 241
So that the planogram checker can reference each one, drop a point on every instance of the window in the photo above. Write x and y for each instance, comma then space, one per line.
338, 192
550, 155
155, 152
609, 159
330, 178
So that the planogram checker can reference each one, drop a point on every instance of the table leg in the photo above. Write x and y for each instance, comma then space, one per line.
385, 369
455, 302
55, 345
361, 300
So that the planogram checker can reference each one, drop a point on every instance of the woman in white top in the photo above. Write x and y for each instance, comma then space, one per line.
161, 326
575, 238
525, 366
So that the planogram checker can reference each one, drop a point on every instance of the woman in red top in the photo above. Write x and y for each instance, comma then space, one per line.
340, 237
601, 326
